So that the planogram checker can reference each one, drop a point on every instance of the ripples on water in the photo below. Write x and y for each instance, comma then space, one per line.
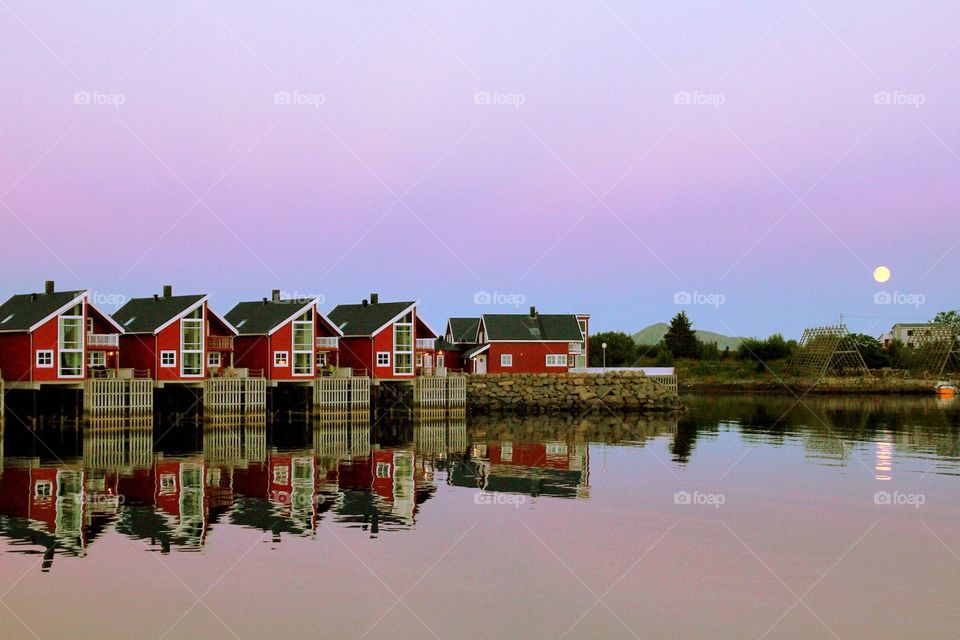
66, 489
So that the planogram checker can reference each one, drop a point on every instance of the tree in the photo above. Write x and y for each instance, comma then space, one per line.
874, 355
773, 348
951, 318
680, 338
621, 349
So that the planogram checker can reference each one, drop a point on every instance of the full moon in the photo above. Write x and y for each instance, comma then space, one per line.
881, 274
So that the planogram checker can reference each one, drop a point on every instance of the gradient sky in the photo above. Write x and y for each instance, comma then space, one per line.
584, 186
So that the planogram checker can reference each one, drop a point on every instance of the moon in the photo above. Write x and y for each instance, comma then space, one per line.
881, 274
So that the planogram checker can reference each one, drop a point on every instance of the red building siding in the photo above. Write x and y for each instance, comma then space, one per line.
528, 357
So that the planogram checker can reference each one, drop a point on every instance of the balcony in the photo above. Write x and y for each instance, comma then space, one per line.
103, 340
426, 343
327, 343
219, 343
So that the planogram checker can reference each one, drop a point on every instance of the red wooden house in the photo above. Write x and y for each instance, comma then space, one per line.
381, 338
55, 337
290, 340
521, 343
177, 339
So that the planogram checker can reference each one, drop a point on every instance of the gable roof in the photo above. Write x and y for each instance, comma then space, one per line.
265, 316
544, 327
464, 329
367, 320
27, 311
149, 315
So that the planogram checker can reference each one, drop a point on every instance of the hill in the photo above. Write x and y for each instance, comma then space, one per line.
655, 332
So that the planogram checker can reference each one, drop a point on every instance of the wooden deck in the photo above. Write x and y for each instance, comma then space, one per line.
347, 395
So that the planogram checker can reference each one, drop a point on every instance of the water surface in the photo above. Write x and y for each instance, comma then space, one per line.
746, 517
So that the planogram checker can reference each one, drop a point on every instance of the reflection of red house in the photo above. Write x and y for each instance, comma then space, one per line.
50, 497
55, 337
289, 340
174, 338
551, 455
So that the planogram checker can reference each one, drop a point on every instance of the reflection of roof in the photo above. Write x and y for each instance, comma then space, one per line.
146, 315
539, 328
464, 329
365, 320
21, 312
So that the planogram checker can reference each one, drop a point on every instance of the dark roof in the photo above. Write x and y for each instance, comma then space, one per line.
542, 327
440, 344
22, 311
256, 318
469, 353
464, 329
146, 315
363, 320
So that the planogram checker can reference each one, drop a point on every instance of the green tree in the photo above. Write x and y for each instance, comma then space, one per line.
773, 348
621, 349
680, 338
874, 355
951, 318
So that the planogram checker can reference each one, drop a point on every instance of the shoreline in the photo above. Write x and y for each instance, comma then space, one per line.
831, 386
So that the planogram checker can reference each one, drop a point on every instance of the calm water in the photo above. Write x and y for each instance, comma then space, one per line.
744, 518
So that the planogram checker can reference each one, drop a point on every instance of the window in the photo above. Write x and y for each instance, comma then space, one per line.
213, 360
506, 451
383, 358
281, 359
43, 489
556, 448
440, 361
556, 359
303, 344
89, 325
168, 358
45, 359
403, 345
168, 484
96, 359
71, 342
281, 475
322, 359
419, 359
506, 359
191, 343
383, 469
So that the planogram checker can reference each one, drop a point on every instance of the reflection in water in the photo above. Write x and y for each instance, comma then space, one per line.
173, 485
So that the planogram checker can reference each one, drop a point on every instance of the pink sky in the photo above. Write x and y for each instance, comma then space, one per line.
583, 186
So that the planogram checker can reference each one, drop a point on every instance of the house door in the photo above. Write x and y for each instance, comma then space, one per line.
480, 364
428, 361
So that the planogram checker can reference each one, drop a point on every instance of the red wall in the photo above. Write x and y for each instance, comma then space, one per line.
528, 357
356, 353
252, 352
138, 351
15, 357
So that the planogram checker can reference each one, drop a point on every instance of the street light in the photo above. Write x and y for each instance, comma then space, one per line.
603, 346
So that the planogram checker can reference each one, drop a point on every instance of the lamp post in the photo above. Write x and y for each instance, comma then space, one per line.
603, 346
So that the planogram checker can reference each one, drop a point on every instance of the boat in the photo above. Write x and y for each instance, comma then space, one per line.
946, 389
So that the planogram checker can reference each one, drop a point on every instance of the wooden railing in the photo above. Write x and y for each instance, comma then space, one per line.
103, 339
426, 343
220, 343
327, 343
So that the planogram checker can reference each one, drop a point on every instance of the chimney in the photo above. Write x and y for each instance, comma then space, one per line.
156, 298
533, 312
374, 298
275, 295
48, 287
167, 291
364, 303
264, 301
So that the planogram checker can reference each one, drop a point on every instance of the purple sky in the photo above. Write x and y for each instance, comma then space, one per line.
339, 148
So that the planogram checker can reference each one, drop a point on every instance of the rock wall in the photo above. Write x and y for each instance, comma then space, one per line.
572, 392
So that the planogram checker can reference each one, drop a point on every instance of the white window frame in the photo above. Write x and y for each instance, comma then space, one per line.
383, 358
281, 475
406, 322
47, 354
168, 353
383, 470
322, 359
556, 360
308, 350
281, 359
211, 356
47, 493
65, 349
506, 359
420, 359
186, 323
439, 361
100, 356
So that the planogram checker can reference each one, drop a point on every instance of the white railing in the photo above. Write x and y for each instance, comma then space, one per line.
103, 339
426, 343
576, 348
328, 343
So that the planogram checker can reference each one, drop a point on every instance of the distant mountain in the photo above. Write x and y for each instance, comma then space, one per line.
655, 332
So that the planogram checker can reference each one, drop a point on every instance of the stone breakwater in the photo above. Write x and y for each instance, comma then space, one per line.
556, 393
